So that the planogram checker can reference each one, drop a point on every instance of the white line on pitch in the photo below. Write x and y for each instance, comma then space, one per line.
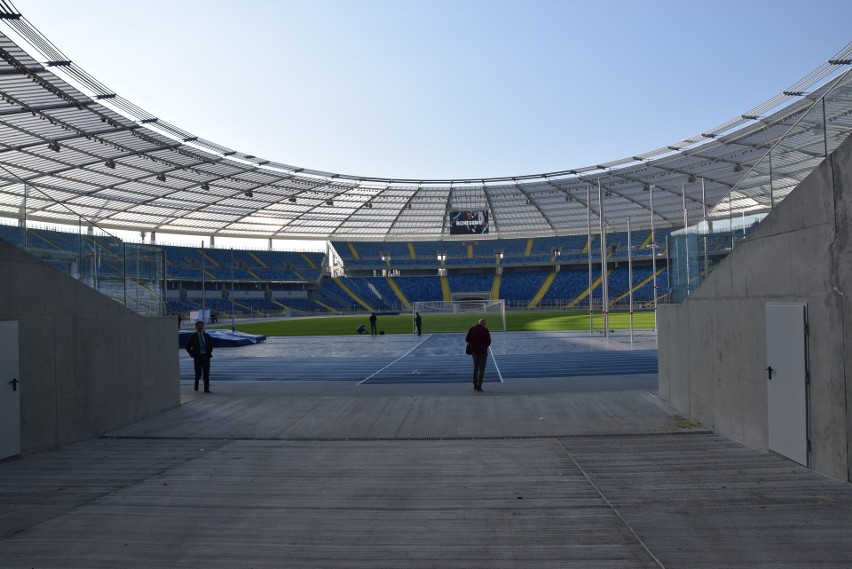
393, 362
500, 375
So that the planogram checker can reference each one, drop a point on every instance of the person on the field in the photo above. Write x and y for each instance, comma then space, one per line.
374, 331
417, 322
478, 339
200, 347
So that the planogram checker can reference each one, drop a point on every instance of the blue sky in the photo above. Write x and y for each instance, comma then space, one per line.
445, 89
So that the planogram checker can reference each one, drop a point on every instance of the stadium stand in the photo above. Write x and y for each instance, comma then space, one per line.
264, 282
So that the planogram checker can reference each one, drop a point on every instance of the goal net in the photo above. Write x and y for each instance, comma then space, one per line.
460, 315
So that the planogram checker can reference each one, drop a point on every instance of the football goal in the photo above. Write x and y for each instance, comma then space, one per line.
460, 315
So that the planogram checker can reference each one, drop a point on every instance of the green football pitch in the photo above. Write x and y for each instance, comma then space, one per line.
403, 323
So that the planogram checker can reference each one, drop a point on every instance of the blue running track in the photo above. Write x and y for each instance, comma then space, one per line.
420, 365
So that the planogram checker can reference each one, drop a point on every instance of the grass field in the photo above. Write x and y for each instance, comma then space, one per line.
403, 323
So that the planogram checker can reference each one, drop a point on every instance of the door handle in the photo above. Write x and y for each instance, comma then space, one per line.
770, 370
14, 383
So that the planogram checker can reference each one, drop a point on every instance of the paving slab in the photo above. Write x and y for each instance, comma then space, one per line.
537, 472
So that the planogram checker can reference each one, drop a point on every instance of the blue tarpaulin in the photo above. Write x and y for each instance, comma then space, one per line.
222, 338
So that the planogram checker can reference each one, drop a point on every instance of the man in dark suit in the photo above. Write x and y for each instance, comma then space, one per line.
200, 347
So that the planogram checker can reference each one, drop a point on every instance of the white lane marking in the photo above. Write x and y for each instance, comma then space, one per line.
500, 375
393, 362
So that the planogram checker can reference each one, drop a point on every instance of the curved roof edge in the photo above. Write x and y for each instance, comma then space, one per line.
86, 151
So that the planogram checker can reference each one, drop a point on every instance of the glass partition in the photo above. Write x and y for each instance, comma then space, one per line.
694, 251
132, 274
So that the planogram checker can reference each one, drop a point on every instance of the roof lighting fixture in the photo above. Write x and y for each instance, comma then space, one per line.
53, 145
292, 199
249, 194
110, 164
329, 202
738, 167
205, 186
161, 177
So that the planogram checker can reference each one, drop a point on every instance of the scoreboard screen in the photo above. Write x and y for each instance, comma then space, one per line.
468, 222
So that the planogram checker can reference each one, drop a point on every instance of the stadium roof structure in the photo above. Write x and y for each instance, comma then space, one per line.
71, 149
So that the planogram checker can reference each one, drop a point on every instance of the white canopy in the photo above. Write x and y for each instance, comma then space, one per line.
70, 148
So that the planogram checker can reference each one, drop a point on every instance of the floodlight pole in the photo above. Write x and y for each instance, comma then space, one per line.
202, 282
605, 292
589, 254
731, 218
771, 184
233, 325
630, 277
653, 253
685, 239
706, 223
137, 285
24, 217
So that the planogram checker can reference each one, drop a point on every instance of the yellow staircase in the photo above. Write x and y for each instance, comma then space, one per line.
585, 293
640, 285
411, 252
495, 287
242, 306
331, 309
208, 258
42, 235
354, 296
354, 251
545, 286
399, 294
528, 249
310, 263
256, 258
445, 288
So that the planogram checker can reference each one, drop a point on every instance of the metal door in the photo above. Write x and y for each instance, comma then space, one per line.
10, 391
786, 374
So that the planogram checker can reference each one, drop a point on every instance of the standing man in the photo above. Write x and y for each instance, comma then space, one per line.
479, 339
373, 330
417, 322
200, 347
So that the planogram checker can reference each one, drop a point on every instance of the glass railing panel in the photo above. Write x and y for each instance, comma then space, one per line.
144, 277
132, 274
695, 251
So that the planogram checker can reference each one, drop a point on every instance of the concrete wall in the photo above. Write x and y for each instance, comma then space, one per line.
713, 345
87, 364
